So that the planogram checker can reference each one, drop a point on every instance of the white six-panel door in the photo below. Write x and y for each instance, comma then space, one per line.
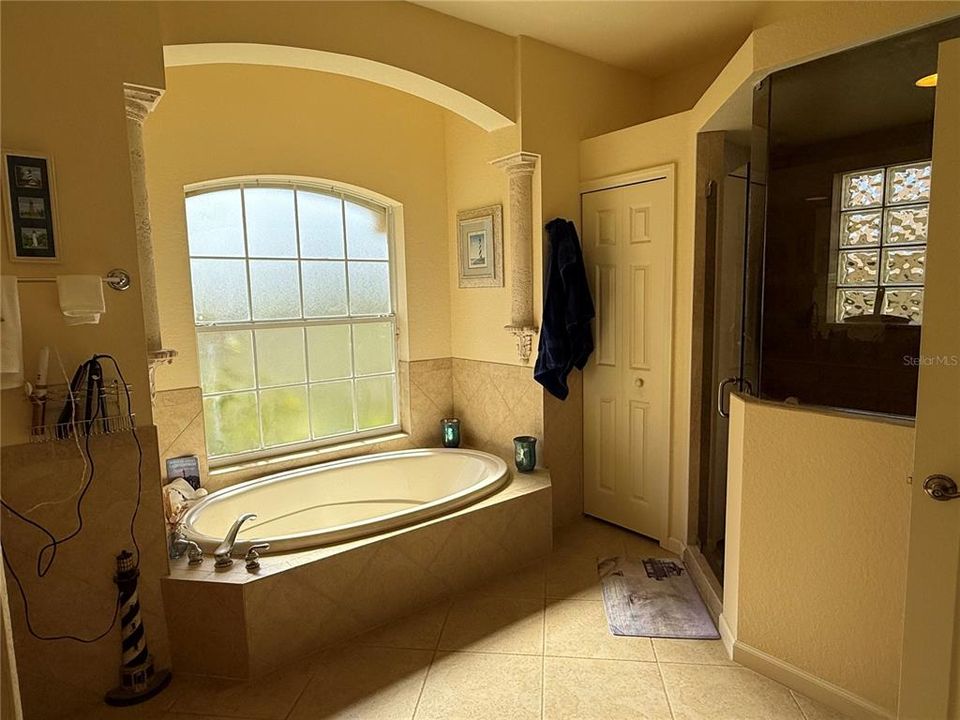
628, 235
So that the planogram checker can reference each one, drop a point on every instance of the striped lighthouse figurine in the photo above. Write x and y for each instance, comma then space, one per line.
138, 679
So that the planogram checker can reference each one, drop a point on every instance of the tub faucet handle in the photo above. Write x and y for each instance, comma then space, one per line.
178, 543
253, 556
194, 553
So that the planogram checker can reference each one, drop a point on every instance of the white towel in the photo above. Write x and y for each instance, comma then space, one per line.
81, 298
11, 341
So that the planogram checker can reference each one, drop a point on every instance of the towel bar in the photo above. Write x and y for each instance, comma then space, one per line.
118, 279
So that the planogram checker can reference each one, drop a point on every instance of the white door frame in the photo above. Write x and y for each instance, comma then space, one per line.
666, 172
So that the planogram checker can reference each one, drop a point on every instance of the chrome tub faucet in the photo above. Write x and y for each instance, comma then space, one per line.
222, 553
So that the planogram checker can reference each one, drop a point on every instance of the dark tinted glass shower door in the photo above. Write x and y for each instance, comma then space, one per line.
731, 222
736, 224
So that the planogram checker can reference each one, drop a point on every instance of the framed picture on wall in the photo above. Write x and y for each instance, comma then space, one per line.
28, 201
480, 246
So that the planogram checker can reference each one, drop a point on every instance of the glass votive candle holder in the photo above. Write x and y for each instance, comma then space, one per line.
525, 452
450, 432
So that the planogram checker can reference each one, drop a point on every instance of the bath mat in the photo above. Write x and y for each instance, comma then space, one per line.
653, 597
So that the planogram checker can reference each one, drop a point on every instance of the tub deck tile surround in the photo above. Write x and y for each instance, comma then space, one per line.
237, 624
408, 669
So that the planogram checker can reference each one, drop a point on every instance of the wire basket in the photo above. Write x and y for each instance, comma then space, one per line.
110, 413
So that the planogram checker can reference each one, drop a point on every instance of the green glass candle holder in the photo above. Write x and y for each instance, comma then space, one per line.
450, 432
525, 453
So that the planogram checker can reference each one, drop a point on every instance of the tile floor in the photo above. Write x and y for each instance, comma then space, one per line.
531, 645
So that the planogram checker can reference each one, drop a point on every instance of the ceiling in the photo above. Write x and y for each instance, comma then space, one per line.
652, 38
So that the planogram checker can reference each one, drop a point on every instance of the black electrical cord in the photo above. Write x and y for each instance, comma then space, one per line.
26, 612
43, 569
54, 542
136, 439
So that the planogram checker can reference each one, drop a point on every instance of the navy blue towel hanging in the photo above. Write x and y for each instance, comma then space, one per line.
566, 339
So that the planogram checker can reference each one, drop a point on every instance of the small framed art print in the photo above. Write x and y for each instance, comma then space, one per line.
28, 204
480, 246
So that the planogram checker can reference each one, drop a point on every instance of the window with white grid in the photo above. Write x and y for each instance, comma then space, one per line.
882, 242
293, 305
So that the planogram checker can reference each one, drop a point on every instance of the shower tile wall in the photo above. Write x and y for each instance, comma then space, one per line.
430, 398
77, 595
178, 415
495, 403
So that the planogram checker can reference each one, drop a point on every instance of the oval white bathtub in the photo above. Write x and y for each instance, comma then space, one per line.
346, 499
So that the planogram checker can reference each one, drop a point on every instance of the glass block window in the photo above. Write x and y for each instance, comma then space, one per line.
882, 244
293, 306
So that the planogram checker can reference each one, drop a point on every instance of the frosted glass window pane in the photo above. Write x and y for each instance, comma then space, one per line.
231, 423
906, 225
321, 225
215, 224
909, 183
905, 302
219, 291
331, 408
904, 266
369, 288
283, 415
271, 222
375, 402
324, 288
366, 232
280, 357
859, 228
855, 302
858, 267
863, 189
226, 360
275, 285
329, 349
373, 348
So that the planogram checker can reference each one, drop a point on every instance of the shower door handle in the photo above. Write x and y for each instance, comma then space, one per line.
720, 388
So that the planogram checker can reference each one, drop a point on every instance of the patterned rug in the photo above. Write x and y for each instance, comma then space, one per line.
653, 597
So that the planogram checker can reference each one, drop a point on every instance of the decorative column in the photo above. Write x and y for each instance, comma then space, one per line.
519, 168
140, 101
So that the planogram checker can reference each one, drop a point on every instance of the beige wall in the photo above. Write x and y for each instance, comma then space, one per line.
680, 90
478, 314
564, 98
218, 121
466, 57
63, 94
817, 532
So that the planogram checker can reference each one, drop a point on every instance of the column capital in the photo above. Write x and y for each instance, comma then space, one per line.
519, 163
139, 101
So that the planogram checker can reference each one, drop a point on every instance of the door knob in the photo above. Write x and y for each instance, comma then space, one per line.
941, 487
638, 382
